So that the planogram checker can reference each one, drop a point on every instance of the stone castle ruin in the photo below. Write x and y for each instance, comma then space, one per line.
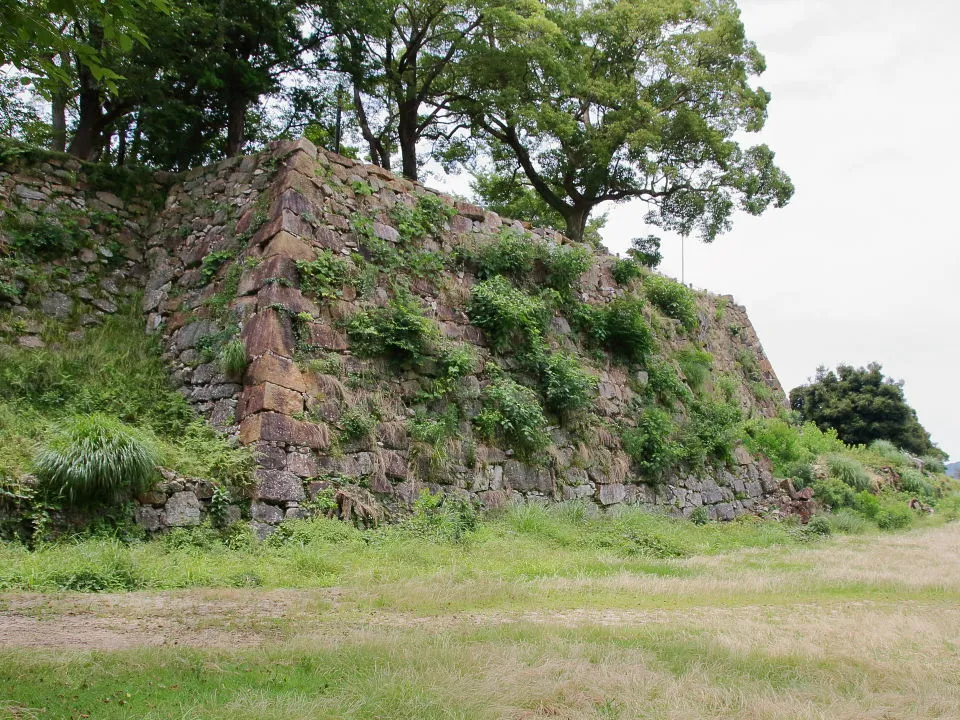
276, 253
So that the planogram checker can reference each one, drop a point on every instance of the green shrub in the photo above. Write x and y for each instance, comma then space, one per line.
423, 220
46, 238
512, 254
567, 387
233, 359
696, 365
673, 299
664, 384
888, 451
513, 413
700, 516
894, 517
623, 330
399, 331
212, 262
625, 271
867, 504
849, 471
710, 433
325, 276
801, 473
442, 517
565, 264
96, 458
357, 423
833, 492
509, 317
786, 444
845, 522
650, 444
819, 526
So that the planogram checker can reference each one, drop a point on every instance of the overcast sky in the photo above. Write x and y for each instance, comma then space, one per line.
863, 264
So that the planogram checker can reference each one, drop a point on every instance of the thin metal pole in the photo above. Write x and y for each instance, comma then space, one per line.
683, 260
336, 147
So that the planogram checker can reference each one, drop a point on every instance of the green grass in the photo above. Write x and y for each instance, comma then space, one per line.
116, 371
524, 543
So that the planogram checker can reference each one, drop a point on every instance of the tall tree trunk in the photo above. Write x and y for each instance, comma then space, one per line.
86, 138
378, 154
58, 118
407, 135
576, 218
236, 125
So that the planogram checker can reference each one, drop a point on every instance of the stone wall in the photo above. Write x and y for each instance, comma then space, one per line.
217, 264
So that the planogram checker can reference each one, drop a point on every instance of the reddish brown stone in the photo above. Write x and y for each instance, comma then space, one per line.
289, 297
494, 499
268, 396
324, 336
329, 239
288, 245
275, 369
268, 331
281, 428
395, 465
276, 268
470, 211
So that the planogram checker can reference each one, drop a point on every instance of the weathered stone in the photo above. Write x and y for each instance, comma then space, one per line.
268, 331
394, 435
147, 517
287, 245
612, 493
107, 306
279, 486
189, 335
467, 210
288, 297
56, 304
153, 497
182, 509
323, 336
519, 476
270, 457
30, 341
494, 499
273, 426
266, 513
302, 464
275, 369
395, 465
268, 396
277, 269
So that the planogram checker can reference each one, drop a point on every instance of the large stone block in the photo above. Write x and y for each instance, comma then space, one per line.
275, 427
323, 336
275, 369
268, 396
279, 486
266, 513
268, 271
286, 244
612, 494
522, 477
289, 297
268, 331
182, 509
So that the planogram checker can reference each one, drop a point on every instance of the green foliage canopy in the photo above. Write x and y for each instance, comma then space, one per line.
862, 405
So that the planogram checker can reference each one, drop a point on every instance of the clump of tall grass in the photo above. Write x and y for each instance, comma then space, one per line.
233, 359
849, 471
95, 458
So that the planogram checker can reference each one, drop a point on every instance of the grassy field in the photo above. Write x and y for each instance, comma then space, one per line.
529, 618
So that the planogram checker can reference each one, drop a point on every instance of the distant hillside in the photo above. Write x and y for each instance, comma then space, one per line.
953, 469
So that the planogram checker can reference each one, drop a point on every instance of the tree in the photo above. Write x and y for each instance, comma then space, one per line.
399, 56
622, 99
862, 406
